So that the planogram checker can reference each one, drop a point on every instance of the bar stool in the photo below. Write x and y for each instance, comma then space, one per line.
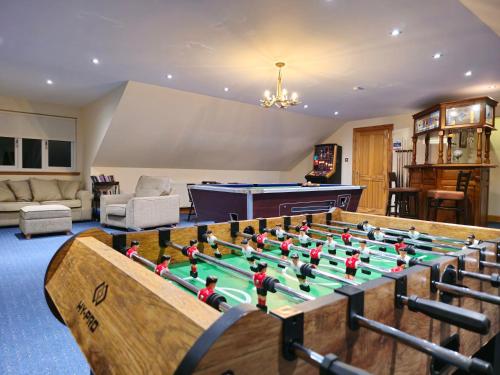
436, 198
405, 199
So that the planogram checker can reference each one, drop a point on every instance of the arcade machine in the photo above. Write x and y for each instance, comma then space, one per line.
327, 164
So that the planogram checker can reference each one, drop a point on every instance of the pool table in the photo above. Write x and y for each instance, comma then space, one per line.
247, 201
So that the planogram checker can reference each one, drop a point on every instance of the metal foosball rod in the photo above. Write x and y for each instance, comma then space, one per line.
274, 259
273, 284
217, 301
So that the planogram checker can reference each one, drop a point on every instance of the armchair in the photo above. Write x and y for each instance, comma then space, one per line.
150, 205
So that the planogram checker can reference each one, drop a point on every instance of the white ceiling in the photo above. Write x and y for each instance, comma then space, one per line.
329, 46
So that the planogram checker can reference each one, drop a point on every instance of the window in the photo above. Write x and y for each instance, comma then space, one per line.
32, 153
7, 151
60, 154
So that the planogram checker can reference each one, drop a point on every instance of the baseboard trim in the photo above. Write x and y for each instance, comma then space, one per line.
494, 218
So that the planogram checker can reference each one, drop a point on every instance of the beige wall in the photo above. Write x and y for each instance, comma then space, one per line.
494, 198
25, 105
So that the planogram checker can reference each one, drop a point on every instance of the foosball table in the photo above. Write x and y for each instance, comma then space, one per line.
342, 292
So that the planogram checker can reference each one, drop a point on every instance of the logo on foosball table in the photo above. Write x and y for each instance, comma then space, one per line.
100, 293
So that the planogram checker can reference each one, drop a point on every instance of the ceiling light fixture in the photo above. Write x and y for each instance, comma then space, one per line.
437, 55
336, 113
358, 88
492, 86
280, 98
95, 61
226, 89
169, 76
396, 32
306, 106
468, 73
49, 82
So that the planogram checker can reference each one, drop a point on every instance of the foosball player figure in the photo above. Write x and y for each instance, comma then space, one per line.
163, 266
351, 265
258, 281
366, 227
304, 227
315, 254
346, 237
212, 241
401, 264
413, 233
472, 241
379, 236
304, 239
403, 255
133, 249
208, 294
279, 232
285, 247
191, 252
261, 241
248, 252
297, 268
400, 244
330, 245
365, 252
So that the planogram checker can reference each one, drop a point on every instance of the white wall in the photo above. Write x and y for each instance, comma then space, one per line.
25, 105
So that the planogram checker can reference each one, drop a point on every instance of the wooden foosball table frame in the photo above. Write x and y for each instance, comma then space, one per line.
127, 320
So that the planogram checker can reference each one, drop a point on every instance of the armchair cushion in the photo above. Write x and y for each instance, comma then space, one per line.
151, 186
116, 209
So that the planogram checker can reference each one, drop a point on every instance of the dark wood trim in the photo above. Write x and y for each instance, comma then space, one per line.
452, 165
18, 173
494, 218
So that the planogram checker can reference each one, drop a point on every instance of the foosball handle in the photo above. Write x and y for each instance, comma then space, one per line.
332, 366
460, 317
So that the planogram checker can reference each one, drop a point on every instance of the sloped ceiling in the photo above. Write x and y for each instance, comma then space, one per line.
329, 47
487, 11
157, 127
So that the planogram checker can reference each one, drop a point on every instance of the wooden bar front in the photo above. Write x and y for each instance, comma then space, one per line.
444, 177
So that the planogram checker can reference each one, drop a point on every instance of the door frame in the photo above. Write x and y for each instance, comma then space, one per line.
365, 129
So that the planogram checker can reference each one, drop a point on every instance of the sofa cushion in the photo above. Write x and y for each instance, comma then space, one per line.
15, 206
45, 190
151, 186
45, 212
6, 195
71, 203
68, 188
116, 209
22, 190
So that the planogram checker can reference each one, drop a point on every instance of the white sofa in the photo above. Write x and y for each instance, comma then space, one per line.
17, 194
150, 206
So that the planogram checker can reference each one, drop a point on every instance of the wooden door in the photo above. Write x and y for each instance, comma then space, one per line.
372, 160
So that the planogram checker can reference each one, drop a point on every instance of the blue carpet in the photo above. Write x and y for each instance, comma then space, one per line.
32, 341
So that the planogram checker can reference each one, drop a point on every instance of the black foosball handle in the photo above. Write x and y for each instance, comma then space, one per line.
332, 366
458, 316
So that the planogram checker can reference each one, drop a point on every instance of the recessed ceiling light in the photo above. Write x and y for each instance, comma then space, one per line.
336, 113
306, 106
437, 55
49, 82
468, 73
358, 88
170, 76
492, 86
95, 61
396, 32
226, 89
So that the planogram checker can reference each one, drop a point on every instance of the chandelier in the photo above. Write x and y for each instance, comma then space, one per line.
280, 99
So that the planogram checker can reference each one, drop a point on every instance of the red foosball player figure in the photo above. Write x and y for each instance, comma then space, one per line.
400, 266
191, 252
280, 233
248, 252
134, 248
208, 290
285, 247
297, 268
315, 254
163, 266
346, 237
365, 252
212, 241
351, 265
258, 281
261, 241
400, 244
304, 227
